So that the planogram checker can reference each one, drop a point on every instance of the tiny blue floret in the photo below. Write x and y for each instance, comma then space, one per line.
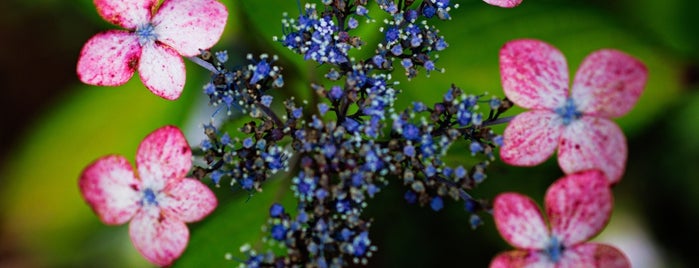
266, 100
276, 210
278, 232
437, 204
409, 151
410, 197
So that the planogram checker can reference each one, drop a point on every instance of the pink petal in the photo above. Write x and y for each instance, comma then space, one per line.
126, 13
503, 3
519, 221
609, 83
109, 58
520, 258
110, 188
158, 238
579, 206
163, 156
190, 25
534, 74
531, 138
189, 200
593, 143
162, 71
594, 255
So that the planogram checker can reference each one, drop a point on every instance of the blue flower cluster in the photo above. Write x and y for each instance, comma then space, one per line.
314, 238
246, 162
317, 37
409, 39
242, 89
350, 142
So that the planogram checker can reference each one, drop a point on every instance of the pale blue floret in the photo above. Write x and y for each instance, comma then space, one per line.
146, 34
569, 112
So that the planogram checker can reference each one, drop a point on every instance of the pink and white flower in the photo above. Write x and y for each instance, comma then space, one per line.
607, 85
153, 42
578, 207
158, 199
504, 3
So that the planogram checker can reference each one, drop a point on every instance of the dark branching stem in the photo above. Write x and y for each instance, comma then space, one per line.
498, 121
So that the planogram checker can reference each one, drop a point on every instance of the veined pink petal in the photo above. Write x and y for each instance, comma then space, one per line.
531, 138
594, 255
162, 71
593, 143
521, 258
579, 206
190, 25
520, 222
110, 188
504, 3
158, 238
126, 13
109, 58
608, 83
534, 74
162, 156
189, 200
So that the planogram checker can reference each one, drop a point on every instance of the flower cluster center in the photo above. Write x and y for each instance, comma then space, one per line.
568, 112
149, 197
146, 34
554, 249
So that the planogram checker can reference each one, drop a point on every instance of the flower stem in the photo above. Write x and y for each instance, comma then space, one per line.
498, 121
204, 64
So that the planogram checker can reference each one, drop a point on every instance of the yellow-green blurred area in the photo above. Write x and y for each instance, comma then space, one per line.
52, 126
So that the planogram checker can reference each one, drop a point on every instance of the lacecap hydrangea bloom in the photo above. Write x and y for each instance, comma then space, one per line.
607, 85
578, 207
158, 199
153, 41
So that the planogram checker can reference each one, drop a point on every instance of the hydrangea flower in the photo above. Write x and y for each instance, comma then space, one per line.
578, 207
607, 85
504, 3
158, 199
153, 42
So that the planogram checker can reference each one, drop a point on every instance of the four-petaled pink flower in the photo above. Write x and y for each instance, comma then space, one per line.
153, 43
578, 207
158, 201
504, 3
607, 85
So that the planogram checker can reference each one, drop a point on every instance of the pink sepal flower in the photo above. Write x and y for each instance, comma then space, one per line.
152, 42
607, 85
504, 3
158, 201
578, 207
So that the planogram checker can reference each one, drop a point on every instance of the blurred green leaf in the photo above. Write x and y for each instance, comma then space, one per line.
41, 201
672, 23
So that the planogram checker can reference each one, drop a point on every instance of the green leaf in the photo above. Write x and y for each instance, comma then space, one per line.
671, 23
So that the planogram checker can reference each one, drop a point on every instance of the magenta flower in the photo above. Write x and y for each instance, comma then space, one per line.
578, 207
504, 3
607, 85
158, 199
152, 43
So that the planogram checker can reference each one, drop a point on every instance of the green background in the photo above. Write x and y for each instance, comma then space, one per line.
52, 126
